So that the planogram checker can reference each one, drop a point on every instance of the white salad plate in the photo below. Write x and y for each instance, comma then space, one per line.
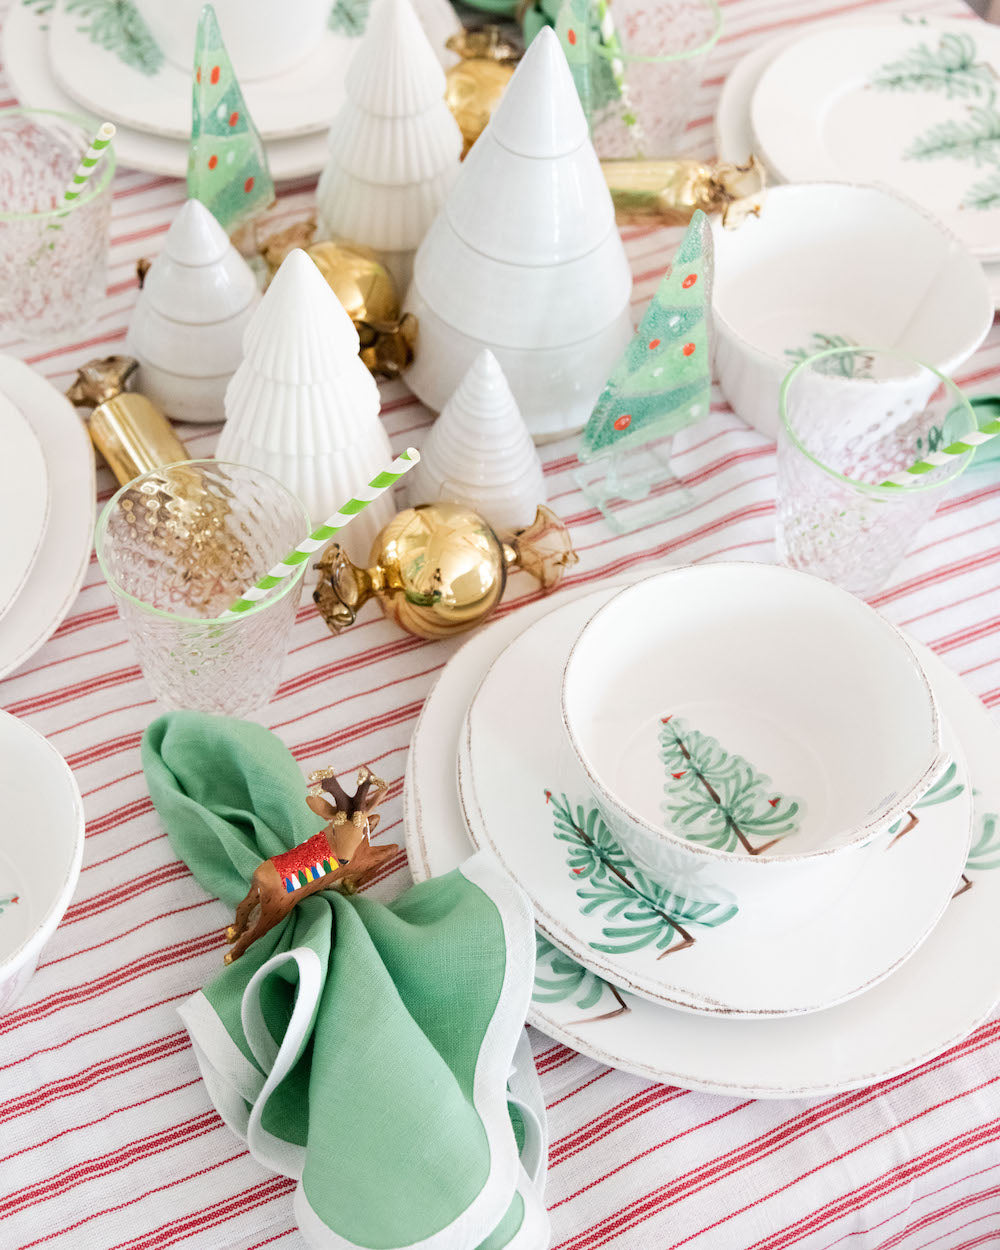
929, 1004
26, 62
57, 574
688, 945
300, 101
912, 106
734, 137
41, 848
24, 501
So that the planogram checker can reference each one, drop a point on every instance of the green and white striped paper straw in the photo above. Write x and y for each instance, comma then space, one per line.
89, 162
937, 458
344, 515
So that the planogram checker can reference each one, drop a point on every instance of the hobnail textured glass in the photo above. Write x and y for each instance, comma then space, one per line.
178, 546
642, 95
53, 261
850, 418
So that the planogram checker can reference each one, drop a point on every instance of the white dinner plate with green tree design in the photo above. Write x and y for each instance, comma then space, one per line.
915, 106
929, 1004
525, 796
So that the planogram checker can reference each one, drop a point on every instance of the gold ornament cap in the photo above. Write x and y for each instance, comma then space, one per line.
668, 192
476, 84
127, 429
440, 569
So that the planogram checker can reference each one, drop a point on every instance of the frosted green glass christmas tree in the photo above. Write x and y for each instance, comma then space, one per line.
661, 385
227, 165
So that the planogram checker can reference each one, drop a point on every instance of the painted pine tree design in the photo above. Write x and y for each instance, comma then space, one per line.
662, 383
847, 365
227, 165
984, 196
976, 140
718, 799
644, 913
951, 68
984, 853
8, 900
558, 977
118, 26
349, 17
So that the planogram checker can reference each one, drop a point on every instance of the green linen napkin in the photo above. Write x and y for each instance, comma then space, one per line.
375, 1053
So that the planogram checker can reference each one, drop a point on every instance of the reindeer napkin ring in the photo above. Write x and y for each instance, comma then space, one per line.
339, 856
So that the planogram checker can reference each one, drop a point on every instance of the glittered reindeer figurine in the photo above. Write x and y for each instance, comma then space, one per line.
340, 855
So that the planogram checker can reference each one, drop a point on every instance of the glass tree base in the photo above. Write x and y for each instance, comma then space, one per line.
634, 487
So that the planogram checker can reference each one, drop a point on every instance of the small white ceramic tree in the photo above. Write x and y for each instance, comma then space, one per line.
479, 452
524, 258
394, 145
187, 326
303, 407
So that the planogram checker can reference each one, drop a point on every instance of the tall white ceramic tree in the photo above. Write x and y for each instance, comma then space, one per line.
394, 145
187, 326
479, 452
303, 407
524, 258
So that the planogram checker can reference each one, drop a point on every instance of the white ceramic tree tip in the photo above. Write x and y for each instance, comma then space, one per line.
484, 387
395, 71
540, 113
195, 237
301, 331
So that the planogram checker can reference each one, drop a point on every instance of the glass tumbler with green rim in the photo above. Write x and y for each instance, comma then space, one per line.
53, 255
850, 418
178, 545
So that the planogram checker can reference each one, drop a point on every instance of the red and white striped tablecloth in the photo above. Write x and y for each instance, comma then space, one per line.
107, 1136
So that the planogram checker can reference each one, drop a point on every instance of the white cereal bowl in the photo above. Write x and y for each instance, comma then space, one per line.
41, 847
805, 710
826, 262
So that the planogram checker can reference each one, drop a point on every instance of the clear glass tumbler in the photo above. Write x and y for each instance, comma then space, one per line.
851, 417
645, 65
178, 545
53, 257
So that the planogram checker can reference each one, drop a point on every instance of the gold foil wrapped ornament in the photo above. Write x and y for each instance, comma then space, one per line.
474, 86
439, 569
667, 193
127, 429
363, 285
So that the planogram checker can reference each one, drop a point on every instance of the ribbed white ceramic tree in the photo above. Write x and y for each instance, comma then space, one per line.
479, 452
524, 258
394, 145
303, 407
188, 322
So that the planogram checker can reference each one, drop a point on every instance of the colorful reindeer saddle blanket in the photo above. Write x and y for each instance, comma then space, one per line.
374, 1052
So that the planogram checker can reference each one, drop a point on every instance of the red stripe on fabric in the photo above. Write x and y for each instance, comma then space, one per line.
579, 1089
610, 1121
129, 850
941, 1213
119, 816
125, 891
120, 934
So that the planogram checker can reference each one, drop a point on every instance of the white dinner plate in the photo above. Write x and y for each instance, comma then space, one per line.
26, 62
58, 571
41, 847
734, 138
300, 101
912, 106
935, 999
525, 796
24, 501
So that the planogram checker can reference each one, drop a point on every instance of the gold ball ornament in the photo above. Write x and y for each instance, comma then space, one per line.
440, 569
474, 87
358, 279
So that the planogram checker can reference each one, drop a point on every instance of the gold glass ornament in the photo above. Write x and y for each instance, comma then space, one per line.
363, 285
440, 569
474, 86
667, 192
127, 429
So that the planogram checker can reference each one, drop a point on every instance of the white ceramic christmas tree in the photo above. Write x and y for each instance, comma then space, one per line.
479, 452
303, 407
187, 326
524, 258
394, 145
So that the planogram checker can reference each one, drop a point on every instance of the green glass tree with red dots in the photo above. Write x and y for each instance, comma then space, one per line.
663, 381
227, 165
